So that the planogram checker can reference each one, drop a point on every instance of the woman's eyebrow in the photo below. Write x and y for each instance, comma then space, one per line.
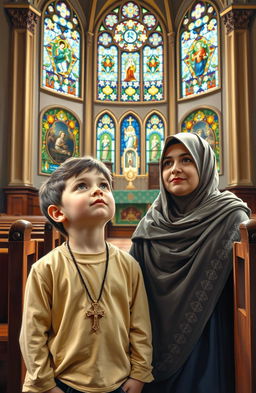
180, 155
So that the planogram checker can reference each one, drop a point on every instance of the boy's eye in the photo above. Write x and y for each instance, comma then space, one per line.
104, 186
81, 186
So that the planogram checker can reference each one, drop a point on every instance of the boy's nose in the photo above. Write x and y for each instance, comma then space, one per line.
97, 191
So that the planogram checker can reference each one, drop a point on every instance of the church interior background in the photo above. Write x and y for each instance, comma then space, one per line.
113, 79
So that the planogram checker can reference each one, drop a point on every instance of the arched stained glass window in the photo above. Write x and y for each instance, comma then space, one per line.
154, 138
130, 55
106, 143
199, 52
59, 139
205, 122
130, 140
61, 60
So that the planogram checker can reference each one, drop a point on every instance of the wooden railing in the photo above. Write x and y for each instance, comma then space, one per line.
244, 267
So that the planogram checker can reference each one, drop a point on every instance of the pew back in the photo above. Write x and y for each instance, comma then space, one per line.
244, 267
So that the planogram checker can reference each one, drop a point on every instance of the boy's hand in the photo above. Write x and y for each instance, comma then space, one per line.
132, 386
54, 390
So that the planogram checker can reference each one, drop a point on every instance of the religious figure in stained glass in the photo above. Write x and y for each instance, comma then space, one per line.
154, 138
199, 65
59, 138
61, 53
105, 148
130, 137
205, 123
130, 69
130, 141
155, 147
105, 131
135, 38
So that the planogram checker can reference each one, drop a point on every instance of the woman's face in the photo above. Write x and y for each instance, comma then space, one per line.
180, 176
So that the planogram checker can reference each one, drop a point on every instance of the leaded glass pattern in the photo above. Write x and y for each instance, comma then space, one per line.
60, 138
107, 71
205, 122
106, 145
130, 137
199, 51
132, 37
155, 132
61, 59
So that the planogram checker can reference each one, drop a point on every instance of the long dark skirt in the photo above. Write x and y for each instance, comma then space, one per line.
210, 367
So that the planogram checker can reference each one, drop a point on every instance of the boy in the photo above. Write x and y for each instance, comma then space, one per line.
85, 324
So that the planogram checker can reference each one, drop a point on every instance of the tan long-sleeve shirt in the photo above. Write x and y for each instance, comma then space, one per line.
57, 338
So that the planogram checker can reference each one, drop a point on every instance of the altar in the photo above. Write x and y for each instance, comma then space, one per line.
131, 205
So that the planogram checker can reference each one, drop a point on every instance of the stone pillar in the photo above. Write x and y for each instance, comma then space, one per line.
88, 132
238, 103
19, 192
172, 127
24, 19
236, 19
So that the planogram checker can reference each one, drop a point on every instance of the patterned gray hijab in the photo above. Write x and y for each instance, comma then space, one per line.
184, 247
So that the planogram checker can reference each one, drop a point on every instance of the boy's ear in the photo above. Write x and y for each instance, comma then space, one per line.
56, 213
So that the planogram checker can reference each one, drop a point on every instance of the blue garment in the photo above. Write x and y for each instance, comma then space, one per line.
68, 389
210, 366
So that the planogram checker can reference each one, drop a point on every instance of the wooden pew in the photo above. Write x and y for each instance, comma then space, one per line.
244, 267
41, 230
16, 258
47, 239
17, 253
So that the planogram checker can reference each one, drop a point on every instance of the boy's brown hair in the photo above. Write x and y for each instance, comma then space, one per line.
50, 193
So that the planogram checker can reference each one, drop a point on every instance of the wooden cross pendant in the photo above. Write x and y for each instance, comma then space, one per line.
95, 313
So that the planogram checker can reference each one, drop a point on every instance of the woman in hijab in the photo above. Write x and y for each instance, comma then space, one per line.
184, 247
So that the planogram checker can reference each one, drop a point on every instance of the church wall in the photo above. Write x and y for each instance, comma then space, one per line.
4, 101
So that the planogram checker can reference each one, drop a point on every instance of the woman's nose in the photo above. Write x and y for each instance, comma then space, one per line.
176, 167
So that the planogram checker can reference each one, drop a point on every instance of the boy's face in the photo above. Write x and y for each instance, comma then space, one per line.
87, 200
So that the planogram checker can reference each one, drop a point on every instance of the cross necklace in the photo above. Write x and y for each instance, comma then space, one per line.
95, 312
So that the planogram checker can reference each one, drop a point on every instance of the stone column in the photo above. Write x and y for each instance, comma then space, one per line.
88, 132
171, 83
238, 102
24, 18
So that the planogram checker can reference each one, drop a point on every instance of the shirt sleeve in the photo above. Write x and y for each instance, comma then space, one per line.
140, 330
36, 323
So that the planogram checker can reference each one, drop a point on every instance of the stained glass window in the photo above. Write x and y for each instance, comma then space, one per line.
130, 140
106, 144
199, 52
154, 138
61, 60
205, 123
130, 55
60, 138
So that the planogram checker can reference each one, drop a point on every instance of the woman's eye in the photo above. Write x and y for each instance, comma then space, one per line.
187, 160
167, 163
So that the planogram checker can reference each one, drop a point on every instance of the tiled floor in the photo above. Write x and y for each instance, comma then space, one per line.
124, 244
